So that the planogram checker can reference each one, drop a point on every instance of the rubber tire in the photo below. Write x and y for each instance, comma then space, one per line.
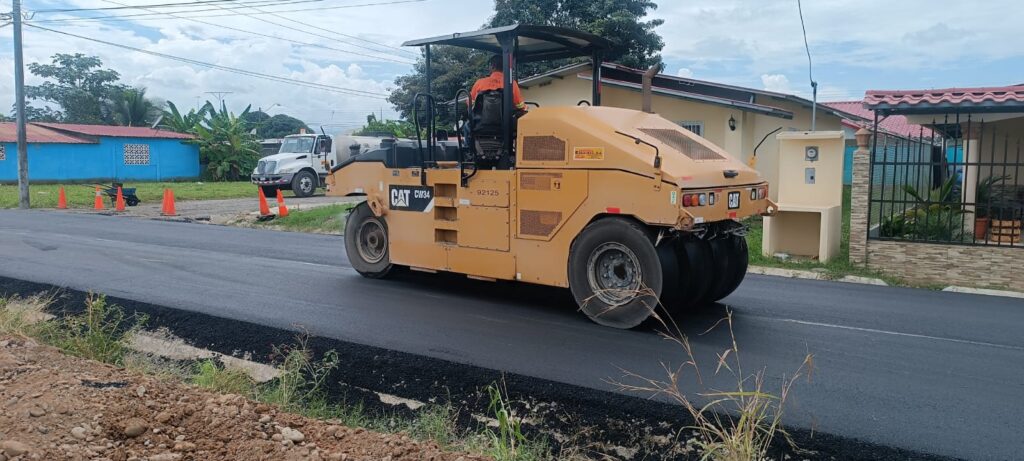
730, 265
297, 181
739, 258
696, 267
381, 269
637, 239
270, 192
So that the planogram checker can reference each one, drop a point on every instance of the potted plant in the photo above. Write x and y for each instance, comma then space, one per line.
985, 198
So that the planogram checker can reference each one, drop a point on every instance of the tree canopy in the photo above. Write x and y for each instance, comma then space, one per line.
396, 128
85, 92
636, 43
79, 85
278, 126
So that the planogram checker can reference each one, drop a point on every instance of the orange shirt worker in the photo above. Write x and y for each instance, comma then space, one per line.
495, 81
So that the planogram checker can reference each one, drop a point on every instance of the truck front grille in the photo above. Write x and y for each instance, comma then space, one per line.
265, 167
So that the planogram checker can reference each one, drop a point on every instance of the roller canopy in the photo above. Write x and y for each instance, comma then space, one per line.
536, 43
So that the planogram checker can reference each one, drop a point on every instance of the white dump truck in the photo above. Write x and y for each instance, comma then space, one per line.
304, 160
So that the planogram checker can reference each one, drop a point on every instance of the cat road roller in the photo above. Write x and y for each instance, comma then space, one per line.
628, 210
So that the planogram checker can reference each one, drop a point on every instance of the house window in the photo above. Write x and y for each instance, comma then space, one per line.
696, 127
136, 154
3, 152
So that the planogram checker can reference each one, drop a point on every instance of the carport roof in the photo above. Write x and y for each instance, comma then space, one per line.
40, 134
983, 99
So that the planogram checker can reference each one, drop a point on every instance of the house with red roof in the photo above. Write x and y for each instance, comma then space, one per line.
71, 152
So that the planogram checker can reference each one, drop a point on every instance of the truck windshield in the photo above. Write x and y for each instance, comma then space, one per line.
303, 145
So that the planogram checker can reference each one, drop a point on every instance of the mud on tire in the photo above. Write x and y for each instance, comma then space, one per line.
366, 243
614, 273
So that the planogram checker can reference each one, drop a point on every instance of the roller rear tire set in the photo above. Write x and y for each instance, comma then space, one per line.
620, 278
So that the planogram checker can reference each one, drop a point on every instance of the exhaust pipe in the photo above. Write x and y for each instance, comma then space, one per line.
646, 88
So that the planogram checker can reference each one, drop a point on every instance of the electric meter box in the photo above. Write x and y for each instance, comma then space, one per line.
810, 196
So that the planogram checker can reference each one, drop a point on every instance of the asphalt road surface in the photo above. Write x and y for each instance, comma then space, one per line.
930, 371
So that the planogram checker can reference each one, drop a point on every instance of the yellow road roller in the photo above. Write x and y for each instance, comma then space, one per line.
626, 209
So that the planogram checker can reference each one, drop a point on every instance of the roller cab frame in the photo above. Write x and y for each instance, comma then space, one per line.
628, 210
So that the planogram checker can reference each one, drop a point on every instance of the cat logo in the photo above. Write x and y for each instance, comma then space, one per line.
411, 198
400, 198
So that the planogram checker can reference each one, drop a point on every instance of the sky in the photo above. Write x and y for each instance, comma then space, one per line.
353, 46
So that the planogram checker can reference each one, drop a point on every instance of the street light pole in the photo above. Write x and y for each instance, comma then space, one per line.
19, 102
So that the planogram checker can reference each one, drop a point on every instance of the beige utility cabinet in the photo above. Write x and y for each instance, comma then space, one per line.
809, 220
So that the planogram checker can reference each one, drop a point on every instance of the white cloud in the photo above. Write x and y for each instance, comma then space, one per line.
182, 83
684, 73
778, 83
748, 38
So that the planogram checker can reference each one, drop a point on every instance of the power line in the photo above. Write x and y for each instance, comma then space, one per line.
810, 69
251, 15
300, 43
148, 16
157, 5
318, 86
275, 14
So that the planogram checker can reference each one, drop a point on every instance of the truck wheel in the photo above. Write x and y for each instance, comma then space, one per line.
614, 273
366, 243
269, 191
304, 184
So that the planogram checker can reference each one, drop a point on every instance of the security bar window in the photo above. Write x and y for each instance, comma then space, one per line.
3, 153
136, 154
696, 127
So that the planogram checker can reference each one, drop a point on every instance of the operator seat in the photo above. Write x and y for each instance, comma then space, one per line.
485, 125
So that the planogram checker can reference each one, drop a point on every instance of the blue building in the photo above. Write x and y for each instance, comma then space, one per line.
66, 152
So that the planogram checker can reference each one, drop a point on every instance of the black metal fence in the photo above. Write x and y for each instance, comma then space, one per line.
959, 180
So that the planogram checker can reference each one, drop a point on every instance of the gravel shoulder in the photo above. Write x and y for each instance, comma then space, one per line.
54, 406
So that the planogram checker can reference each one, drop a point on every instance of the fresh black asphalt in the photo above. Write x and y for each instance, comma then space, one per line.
927, 371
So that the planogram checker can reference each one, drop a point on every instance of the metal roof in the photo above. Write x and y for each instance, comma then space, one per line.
115, 131
536, 43
894, 124
39, 135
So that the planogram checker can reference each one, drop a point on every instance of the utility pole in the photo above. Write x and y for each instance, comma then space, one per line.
220, 95
19, 103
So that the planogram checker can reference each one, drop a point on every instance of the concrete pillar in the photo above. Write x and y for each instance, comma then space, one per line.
860, 206
972, 154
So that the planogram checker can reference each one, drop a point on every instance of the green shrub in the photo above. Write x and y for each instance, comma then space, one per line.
101, 333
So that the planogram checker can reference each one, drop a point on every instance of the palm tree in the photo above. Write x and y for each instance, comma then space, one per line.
131, 108
174, 120
226, 146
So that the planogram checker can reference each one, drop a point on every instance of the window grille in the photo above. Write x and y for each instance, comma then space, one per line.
696, 127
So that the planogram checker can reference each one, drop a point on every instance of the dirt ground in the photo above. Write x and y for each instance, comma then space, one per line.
219, 211
56, 407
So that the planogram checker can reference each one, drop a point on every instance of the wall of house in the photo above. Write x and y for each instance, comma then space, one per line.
168, 159
1006, 146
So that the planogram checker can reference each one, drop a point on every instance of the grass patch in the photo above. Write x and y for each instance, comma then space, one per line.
209, 374
738, 424
101, 333
23, 317
328, 219
83, 195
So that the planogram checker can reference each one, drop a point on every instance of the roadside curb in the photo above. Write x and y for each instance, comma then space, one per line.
984, 291
813, 275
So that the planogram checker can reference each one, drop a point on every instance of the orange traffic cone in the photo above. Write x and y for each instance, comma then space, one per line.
119, 202
168, 205
282, 209
98, 203
264, 208
62, 200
